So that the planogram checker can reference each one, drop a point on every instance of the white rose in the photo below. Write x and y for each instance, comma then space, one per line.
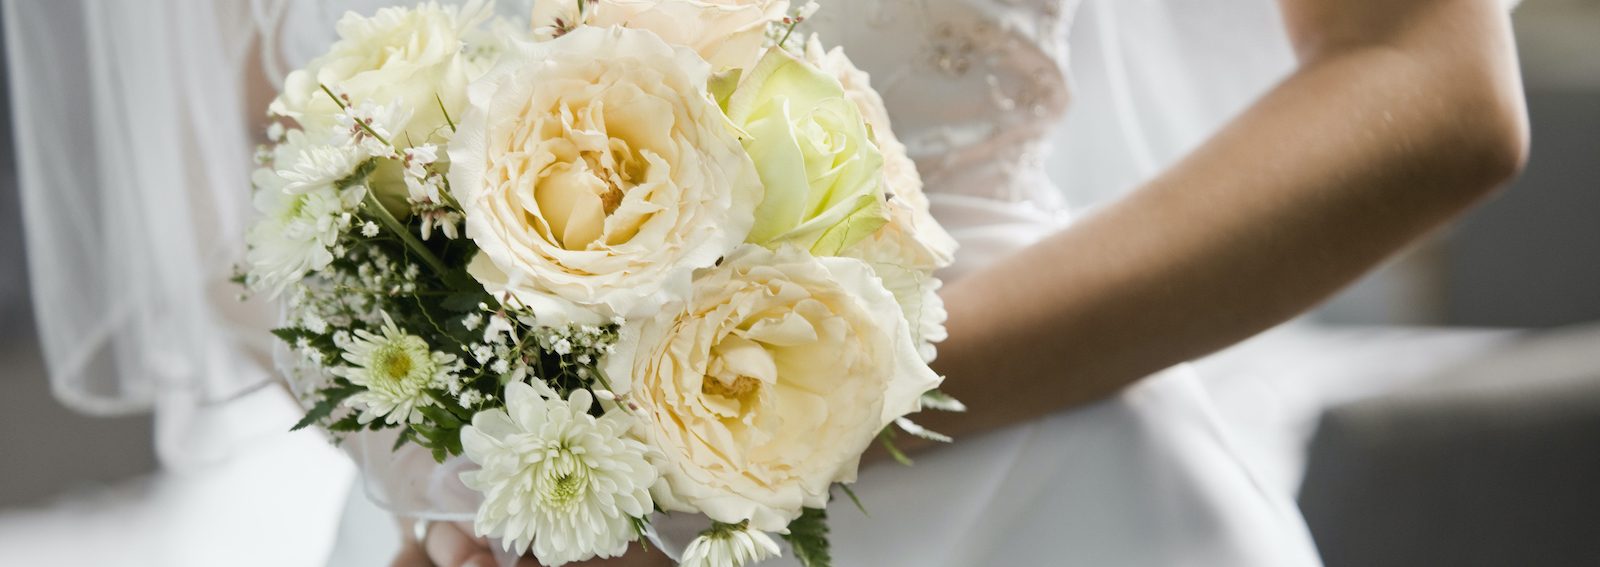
595, 168
726, 33
906, 266
412, 55
906, 251
765, 387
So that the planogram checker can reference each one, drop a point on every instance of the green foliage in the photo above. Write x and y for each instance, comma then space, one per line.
347, 424
887, 438
322, 342
808, 535
443, 441
640, 528
331, 397
935, 399
406, 434
459, 280
852, 495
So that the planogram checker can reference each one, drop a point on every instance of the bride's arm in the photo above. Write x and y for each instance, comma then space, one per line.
1403, 113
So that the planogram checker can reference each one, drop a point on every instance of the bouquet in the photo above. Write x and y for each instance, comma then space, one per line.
629, 257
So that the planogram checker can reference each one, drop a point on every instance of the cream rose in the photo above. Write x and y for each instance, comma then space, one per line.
907, 265
765, 387
912, 245
412, 55
726, 33
823, 174
594, 168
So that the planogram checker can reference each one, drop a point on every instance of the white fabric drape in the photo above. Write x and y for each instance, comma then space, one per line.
133, 158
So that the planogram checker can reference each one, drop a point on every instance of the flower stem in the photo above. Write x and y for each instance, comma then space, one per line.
786, 34
360, 123
446, 113
373, 207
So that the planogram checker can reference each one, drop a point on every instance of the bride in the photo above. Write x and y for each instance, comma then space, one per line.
1080, 449
1088, 441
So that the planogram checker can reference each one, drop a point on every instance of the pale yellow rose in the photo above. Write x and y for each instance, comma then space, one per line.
822, 172
726, 33
595, 168
412, 55
925, 244
765, 387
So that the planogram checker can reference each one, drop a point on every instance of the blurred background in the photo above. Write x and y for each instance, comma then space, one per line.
1490, 461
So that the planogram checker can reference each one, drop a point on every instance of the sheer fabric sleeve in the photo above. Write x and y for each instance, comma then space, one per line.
1152, 79
133, 159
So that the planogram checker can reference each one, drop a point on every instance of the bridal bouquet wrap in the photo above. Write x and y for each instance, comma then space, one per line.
628, 258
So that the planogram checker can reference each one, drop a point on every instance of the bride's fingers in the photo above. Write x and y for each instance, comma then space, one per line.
450, 545
411, 555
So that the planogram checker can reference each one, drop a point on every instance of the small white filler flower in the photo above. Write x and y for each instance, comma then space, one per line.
726, 545
554, 476
396, 368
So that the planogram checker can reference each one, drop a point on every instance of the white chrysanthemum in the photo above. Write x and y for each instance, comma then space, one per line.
320, 167
728, 546
396, 368
554, 476
294, 232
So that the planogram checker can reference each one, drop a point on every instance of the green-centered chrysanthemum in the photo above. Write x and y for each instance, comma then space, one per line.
555, 478
396, 368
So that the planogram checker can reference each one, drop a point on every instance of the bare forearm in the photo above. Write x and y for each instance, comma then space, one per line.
1385, 133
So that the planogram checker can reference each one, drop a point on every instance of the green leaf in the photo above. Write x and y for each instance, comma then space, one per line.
441, 416
429, 432
316, 414
935, 399
465, 301
349, 423
290, 334
330, 401
640, 528
452, 442
405, 435
461, 413
459, 280
887, 438
852, 495
808, 535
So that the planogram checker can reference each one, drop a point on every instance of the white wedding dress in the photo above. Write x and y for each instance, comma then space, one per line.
978, 90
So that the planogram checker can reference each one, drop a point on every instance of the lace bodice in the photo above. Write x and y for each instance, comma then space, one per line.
974, 88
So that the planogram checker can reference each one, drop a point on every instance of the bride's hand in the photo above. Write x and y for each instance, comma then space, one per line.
450, 544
